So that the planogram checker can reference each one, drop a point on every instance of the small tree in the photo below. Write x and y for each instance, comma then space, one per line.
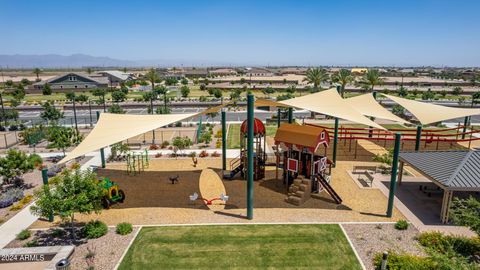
63, 137
118, 96
46, 90
180, 143
73, 192
50, 113
184, 81
185, 91
115, 108
386, 159
466, 212
268, 91
402, 91
457, 90
15, 164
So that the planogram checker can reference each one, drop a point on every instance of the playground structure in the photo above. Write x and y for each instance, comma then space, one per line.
112, 194
239, 164
137, 162
304, 167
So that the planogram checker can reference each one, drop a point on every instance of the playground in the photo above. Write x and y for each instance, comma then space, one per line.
153, 199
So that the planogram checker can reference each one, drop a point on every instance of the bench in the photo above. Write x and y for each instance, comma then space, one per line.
368, 177
364, 169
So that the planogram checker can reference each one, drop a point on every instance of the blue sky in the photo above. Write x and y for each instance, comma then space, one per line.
363, 32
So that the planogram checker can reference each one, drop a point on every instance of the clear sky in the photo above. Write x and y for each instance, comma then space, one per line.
362, 32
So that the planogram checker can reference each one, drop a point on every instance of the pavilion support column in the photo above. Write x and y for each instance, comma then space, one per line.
224, 140
45, 183
370, 129
393, 179
250, 119
418, 138
279, 113
102, 152
447, 199
400, 173
290, 115
335, 144
465, 124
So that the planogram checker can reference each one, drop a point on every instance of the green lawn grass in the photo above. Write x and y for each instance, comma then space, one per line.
233, 138
241, 247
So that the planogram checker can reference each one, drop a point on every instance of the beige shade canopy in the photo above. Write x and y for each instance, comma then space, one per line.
266, 102
427, 113
367, 105
329, 102
113, 128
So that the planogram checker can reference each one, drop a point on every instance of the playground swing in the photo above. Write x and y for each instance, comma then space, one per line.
136, 162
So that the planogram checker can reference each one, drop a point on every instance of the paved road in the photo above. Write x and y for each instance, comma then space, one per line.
83, 116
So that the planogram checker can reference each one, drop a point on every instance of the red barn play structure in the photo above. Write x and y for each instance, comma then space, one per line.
239, 164
303, 152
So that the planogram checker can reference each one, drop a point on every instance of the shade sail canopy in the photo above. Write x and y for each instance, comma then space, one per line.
113, 128
367, 105
267, 102
329, 102
427, 113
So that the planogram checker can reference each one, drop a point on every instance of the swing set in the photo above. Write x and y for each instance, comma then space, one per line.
137, 162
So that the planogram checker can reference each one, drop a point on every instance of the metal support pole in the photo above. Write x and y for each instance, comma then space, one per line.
290, 115
418, 137
45, 182
102, 152
335, 143
279, 113
465, 124
393, 179
75, 113
224, 140
4, 116
250, 118
90, 112
370, 129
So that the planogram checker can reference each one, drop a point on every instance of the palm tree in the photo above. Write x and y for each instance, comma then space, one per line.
71, 96
343, 77
89, 71
162, 90
316, 76
152, 77
37, 72
370, 79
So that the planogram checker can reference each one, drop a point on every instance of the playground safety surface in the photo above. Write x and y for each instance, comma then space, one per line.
152, 199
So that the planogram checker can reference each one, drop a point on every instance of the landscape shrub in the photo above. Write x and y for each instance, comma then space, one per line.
215, 154
218, 144
219, 134
165, 144
24, 234
10, 196
401, 225
95, 229
158, 155
153, 147
124, 228
31, 243
404, 261
203, 154
445, 244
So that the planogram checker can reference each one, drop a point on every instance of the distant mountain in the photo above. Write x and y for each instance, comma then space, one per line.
83, 60
60, 61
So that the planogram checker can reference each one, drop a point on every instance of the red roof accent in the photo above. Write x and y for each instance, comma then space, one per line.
258, 127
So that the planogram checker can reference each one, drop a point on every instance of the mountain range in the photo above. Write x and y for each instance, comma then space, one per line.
83, 60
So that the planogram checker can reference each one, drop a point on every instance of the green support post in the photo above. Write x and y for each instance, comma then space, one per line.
465, 124
279, 114
250, 120
335, 143
418, 137
224, 140
102, 152
45, 182
290, 115
393, 179
146, 158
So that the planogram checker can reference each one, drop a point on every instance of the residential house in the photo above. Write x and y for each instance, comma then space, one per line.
72, 81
